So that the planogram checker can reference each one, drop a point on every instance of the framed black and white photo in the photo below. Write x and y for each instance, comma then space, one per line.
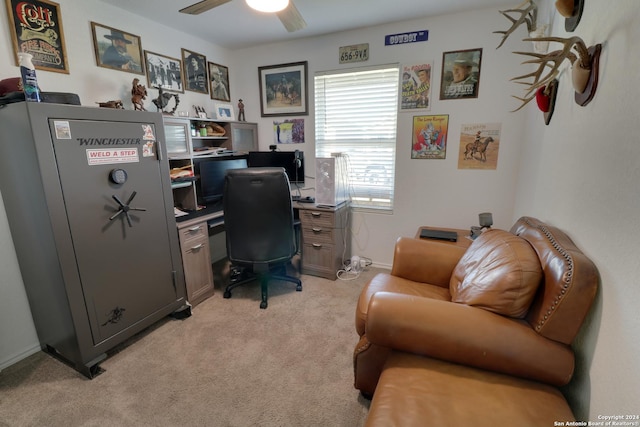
283, 89
460, 74
219, 82
163, 71
117, 49
195, 72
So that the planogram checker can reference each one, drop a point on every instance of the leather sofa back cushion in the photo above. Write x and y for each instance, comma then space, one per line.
500, 272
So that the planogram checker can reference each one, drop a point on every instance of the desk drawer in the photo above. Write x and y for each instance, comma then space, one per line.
317, 218
193, 232
317, 259
317, 234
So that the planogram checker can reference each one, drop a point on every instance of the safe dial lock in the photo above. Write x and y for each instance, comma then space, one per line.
118, 176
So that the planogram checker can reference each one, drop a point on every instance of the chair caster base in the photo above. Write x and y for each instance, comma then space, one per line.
299, 288
263, 304
227, 294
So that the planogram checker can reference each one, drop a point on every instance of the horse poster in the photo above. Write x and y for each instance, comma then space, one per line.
479, 146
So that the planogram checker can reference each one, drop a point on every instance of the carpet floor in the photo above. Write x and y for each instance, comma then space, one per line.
229, 364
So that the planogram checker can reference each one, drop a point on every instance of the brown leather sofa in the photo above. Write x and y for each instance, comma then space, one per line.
479, 336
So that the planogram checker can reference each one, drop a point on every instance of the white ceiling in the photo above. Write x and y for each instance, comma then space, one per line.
234, 25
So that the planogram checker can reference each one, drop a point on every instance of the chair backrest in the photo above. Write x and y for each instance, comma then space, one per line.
258, 216
569, 285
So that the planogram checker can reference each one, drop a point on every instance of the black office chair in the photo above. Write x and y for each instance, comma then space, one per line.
258, 219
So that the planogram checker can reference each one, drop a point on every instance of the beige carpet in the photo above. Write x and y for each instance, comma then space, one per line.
229, 364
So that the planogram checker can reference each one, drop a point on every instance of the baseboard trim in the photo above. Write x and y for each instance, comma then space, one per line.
12, 360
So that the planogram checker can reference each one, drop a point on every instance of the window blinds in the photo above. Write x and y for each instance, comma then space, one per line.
356, 115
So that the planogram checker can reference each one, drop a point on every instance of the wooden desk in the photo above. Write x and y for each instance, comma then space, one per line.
463, 236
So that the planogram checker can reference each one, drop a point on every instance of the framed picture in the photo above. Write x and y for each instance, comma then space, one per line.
219, 82
416, 86
429, 137
164, 72
460, 74
117, 49
42, 38
283, 89
224, 111
195, 72
479, 146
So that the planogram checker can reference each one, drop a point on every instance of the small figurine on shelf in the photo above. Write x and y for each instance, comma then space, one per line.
241, 111
138, 94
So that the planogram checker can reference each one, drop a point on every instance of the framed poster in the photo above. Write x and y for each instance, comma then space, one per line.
219, 82
283, 89
429, 137
117, 49
36, 28
163, 71
416, 87
290, 131
460, 74
195, 72
479, 146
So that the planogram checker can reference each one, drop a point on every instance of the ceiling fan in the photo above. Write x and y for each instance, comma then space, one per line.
290, 17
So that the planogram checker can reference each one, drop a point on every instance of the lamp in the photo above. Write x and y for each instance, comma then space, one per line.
268, 5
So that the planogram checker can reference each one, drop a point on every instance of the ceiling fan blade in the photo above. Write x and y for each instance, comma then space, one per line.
291, 18
203, 6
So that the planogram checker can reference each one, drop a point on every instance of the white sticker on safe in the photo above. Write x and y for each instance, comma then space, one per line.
109, 156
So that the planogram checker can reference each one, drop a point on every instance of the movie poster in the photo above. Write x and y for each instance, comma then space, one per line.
430, 137
479, 146
36, 28
416, 87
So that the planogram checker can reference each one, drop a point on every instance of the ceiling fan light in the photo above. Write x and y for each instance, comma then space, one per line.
268, 5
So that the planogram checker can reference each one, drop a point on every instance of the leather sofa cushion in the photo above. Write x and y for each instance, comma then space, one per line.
500, 272
421, 391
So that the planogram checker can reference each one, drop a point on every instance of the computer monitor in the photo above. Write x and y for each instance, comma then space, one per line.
211, 174
291, 161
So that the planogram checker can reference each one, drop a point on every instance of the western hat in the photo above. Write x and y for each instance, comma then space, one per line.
117, 35
465, 59
572, 11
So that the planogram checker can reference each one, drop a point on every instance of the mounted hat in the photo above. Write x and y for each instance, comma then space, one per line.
572, 11
117, 35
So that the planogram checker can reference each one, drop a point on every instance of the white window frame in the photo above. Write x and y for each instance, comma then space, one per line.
356, 114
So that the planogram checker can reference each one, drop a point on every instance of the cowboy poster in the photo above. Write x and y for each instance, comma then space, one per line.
117, 49
479, 146
429, 139
416, 87
460, 74
36, 28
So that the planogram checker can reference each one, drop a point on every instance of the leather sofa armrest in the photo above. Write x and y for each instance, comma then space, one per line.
466, 335
425, 261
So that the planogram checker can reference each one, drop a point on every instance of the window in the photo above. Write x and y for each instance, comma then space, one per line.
356, 114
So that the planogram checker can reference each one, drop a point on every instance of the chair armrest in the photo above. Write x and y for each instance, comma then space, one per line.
466, 335
425, 261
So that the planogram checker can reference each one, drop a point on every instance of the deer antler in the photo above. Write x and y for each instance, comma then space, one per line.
556, 57
528, 15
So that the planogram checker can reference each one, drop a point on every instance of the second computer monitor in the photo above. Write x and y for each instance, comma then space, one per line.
291, 161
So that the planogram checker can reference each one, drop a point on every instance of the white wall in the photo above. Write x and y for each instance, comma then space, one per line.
581, 174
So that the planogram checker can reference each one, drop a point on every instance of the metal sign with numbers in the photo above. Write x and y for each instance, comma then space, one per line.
354, 53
